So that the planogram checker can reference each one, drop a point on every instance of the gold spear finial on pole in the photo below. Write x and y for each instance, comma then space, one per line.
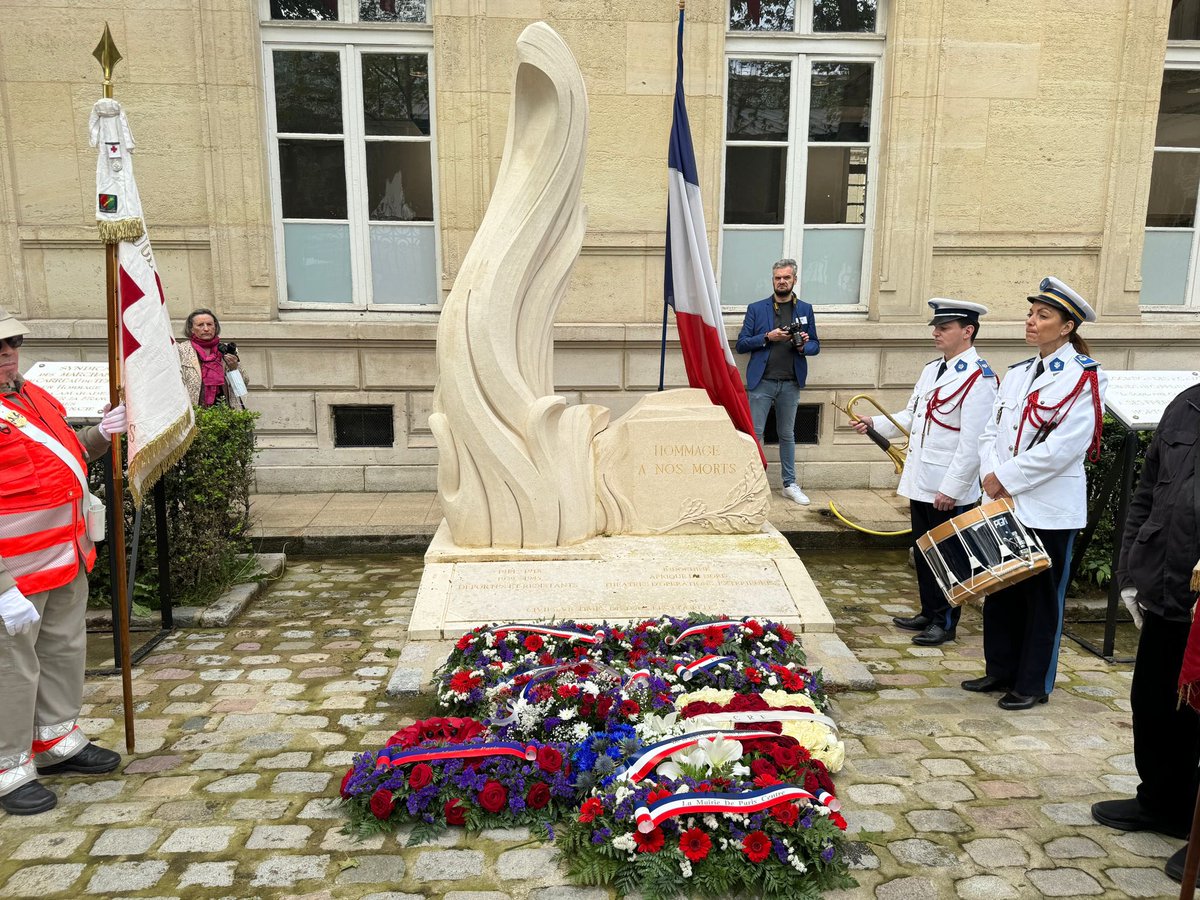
108, 56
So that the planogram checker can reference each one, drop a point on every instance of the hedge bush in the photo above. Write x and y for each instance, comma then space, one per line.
208, 517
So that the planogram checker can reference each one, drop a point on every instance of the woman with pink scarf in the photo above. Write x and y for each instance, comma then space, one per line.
205, 361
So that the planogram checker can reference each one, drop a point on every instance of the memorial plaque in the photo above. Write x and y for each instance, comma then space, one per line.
82, 387
1138, 399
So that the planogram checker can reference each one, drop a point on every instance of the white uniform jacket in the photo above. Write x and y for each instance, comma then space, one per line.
1045, 473
945, 424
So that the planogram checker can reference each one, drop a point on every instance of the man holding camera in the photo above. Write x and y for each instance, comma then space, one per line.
780, 334
46, 551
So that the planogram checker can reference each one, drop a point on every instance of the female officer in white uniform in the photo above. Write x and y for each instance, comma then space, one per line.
1047, 418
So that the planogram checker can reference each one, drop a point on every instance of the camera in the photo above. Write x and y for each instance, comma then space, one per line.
228, 347
793, 330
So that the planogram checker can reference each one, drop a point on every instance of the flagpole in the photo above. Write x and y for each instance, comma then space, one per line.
108, 56
662, 350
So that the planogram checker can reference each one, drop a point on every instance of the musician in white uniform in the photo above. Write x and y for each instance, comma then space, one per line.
945, 416
1047, 418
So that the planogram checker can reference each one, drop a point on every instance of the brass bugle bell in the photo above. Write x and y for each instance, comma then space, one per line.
895, 452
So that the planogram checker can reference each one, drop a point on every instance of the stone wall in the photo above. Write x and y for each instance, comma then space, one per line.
1015, 142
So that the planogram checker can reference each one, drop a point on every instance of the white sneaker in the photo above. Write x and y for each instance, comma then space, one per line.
793, 493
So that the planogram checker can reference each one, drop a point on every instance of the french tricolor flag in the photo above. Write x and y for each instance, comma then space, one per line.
691, 287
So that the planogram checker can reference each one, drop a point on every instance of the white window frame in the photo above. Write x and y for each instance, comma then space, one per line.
802, 48
1181, 55
349, 40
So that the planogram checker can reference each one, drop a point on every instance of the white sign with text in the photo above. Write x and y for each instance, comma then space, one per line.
82, 387
1138, 399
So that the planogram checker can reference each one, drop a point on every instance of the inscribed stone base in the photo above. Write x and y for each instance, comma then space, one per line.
619, 578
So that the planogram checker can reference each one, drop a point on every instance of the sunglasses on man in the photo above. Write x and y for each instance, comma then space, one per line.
14, 342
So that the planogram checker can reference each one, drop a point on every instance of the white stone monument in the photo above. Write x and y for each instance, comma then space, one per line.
551, 512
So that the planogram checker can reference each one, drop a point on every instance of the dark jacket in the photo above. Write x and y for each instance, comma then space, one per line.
1161, 543
760, 318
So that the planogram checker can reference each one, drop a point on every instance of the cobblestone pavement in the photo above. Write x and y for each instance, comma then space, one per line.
244, 735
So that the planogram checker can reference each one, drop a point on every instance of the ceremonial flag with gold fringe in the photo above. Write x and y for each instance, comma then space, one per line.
161, 421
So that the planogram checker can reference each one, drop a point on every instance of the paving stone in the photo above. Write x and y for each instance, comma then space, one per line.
1143, 882
941, 767
114, 813
1064, 882
995, 853
531, 863
38, 881
169, 786
91, 792
1146, 843
867, 820
1073, 848
565, 892
53, 845
1069, 813
513, 835
208, 874
229, 762
859, 857
185, 811
335, 840
153, 764
125, 841
300, 782
985, 887
278, 837
875, 794
476, 895
233, 784
323, 808
917, 852
447, 865
294, 760
942, 791
937, 820
126, 876
258, 810
907, 889
373, 870
283, 871
206, 839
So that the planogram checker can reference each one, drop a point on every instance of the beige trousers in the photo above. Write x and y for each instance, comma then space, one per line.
41, 683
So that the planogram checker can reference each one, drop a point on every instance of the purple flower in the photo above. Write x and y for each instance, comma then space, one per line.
827, 853
806, 822
780, 850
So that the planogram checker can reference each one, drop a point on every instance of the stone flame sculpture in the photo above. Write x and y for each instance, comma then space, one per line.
518, 466
515, 467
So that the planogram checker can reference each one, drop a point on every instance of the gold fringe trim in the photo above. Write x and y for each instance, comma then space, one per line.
144, 474
1196, 578
114, 232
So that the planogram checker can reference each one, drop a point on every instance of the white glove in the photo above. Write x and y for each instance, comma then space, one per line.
17, 612
115, 421
1129, 598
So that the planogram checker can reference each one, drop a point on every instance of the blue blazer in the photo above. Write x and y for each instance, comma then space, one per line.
752, 339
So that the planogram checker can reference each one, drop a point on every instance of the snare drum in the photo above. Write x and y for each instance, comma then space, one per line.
982, 551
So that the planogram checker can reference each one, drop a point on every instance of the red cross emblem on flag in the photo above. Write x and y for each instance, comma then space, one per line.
114, 149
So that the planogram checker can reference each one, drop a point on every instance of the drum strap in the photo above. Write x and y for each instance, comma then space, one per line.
939, 405
1046, 417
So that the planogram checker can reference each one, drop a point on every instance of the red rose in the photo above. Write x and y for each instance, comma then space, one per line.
753, 675
812, 784
465, 641
838, 820
382, 804
785, 757
787, 813
747, 703
493, 797
534, 643
420, 776
455, 812
785, 633
618, 634
763, 767
501, 635
694, 844
549, 759
538, 795
567, 691
649, 843
630, 708
756, 846
345, 781
591, 808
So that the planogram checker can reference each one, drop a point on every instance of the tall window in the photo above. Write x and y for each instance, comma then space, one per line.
803, 79
353, 168
1169, 255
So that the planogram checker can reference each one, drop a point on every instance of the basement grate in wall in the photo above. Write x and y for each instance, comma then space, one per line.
363, 426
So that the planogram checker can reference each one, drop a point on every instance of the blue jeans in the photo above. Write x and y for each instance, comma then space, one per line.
784, 395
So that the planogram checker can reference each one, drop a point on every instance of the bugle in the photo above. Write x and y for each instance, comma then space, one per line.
895, 453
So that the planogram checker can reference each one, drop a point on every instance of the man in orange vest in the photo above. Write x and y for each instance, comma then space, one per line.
46, 552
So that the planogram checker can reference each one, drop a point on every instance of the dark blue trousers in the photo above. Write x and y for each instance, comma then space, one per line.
925, 516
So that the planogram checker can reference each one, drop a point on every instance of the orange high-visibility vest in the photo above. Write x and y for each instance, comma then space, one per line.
43, 535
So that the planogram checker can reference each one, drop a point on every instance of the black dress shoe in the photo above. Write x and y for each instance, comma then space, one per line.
933, 635
1013, 700
919, 622
1130, 815
91, 760
985, 684
1174, 866
32, 798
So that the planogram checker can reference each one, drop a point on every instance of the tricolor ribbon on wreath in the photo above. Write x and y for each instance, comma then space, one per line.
507, 713
699, 629
687, 670
656, 753
569, 634
391, 756
653, 814
735, 717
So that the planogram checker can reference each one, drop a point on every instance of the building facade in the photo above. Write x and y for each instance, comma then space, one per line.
314, 171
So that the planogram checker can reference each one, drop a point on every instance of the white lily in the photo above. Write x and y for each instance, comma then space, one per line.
707, 755
656, 727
